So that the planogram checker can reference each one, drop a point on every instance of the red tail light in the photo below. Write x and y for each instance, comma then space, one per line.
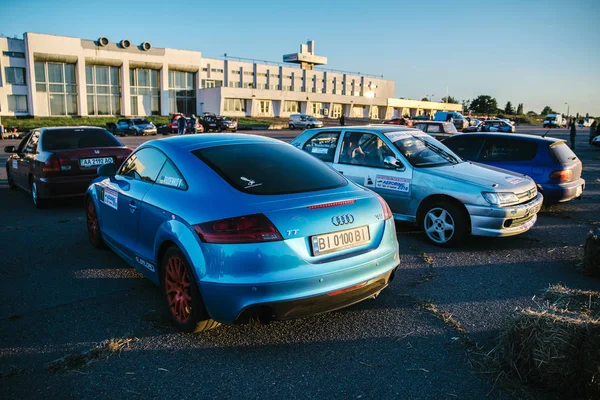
562, 175
248, 229
387, 212
56, 164
334, 204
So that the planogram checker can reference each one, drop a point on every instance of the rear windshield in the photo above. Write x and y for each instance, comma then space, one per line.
267, 169
562, 153
68, 139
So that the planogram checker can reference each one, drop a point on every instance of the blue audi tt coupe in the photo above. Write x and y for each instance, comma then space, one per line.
233, 227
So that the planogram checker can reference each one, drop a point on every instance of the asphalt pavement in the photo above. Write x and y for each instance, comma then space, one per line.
61, 299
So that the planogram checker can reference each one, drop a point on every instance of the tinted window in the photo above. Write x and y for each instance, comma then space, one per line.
506, 149
144, 165
21, 146
562, 153
269, 168
364, 149
433, 128
75, 138
467, 147
170, 176
323, 145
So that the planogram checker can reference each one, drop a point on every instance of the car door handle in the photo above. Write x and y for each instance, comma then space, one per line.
132, 207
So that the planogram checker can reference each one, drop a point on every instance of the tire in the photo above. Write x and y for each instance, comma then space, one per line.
11, 184
444, 223
235, 130
181, 294
93, 226
292, 127
39, 203
219, 129
309, 126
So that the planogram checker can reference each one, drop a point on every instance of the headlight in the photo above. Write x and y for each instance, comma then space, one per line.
500, 198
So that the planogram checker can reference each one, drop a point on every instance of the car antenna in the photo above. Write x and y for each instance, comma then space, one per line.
544, 135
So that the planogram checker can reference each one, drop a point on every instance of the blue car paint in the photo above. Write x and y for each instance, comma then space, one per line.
539, 168
232, 277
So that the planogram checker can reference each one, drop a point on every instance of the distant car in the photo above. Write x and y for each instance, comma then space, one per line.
596, 141
475, 127
132, 126
497, 125
421, 118
460, 122
304, 121
226, 124
438, 129
174, 127
424, 182
61, 162
288, 236
548, 161
209, 122
398, 121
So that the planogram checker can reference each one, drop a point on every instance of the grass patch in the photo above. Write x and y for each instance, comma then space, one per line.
446, 317
73, 362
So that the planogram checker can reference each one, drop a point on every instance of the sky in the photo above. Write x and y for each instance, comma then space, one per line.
539, 53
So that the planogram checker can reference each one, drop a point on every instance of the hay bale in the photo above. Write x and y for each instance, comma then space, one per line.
591, 254
553, 346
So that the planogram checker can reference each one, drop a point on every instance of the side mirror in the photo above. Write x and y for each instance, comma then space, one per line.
10, 149
108, 170
392, 162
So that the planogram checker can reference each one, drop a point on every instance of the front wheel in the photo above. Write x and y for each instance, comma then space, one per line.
181, 294
445, 224
292, 126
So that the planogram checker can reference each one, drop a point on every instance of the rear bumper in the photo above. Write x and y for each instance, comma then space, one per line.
504, 221
58, 187
556, 193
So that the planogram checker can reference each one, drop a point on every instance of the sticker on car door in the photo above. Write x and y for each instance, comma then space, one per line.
110, 198
15, 163
392, 183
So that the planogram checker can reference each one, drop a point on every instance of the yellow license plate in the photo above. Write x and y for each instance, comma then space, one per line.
342, 240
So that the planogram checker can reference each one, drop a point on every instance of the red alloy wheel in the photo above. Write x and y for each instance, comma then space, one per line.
177, 288
92, 222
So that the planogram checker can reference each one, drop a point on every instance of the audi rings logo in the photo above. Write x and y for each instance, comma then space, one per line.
345, 219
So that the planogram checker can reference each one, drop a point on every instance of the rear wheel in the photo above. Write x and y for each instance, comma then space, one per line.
93, 226
444, 223
182, 295
35, 196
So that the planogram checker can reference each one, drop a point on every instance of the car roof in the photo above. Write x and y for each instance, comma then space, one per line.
62, 128
194, 142
381, 128
434, 122
513, 136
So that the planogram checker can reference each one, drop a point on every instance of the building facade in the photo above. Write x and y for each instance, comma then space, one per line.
46, 75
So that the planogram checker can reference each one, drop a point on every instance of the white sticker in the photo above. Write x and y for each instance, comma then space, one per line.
514, 180
368, 181
251, 183
15, 164
110, 198
319, 150
394, 136
145, 263
170, 181
392, 183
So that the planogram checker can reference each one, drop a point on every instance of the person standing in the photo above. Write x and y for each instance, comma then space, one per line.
593, 130
573, 133
342, 120
193, 124
181, 125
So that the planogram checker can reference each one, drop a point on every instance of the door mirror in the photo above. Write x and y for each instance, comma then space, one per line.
392, 162
10, 149
108, 170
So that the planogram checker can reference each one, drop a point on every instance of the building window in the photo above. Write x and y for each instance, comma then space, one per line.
17, 103
15, 75
205, 69
14, 54
58, 80
249, 73
261, 86
248, 84
235, 84
273, 87
209, 83
145, 91
103, 85
316, 108
264, 75
182, 92
238, 105
274, 76
234, 72
336, 112
287, 88
217, 70
264, 107
291, 106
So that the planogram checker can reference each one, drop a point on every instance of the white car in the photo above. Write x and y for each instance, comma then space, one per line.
304, 121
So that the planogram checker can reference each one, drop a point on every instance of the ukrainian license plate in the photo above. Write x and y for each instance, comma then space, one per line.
95, 162
342, 240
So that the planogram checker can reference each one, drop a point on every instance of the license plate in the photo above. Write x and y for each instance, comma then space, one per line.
342, 240
95, 162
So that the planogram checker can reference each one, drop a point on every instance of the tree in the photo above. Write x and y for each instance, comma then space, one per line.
466, 106
547, 110
450, 99
424, 99
520, 109
509, 109
484, 104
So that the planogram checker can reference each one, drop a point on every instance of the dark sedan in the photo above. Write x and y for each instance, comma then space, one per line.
61, 162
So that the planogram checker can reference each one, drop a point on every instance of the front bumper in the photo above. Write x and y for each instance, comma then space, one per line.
504, 221
557, 193
68, 186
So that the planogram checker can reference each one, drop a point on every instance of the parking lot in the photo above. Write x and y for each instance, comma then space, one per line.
61, 299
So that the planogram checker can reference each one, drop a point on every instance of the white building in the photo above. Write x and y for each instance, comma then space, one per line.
47, 75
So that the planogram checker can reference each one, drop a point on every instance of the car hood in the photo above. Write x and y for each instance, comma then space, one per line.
487, 177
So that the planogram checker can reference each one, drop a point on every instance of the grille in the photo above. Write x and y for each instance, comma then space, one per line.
527, 195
